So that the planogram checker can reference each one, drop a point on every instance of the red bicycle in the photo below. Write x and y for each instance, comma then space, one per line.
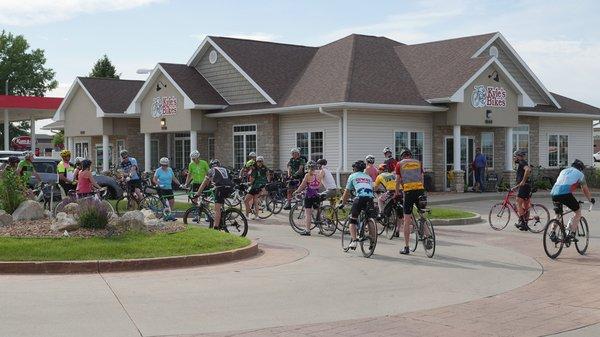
536, 216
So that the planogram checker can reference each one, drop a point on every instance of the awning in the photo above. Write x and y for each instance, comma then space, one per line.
58, 125
21, 108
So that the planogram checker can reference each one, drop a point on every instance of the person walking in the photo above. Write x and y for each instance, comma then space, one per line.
479, 164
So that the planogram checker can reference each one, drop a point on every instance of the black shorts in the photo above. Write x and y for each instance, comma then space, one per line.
524, 192
567, 200
195, 187
411, 198
133, 184
167, 194
312, 202
254, 190
222, 193
361, 204
398, 205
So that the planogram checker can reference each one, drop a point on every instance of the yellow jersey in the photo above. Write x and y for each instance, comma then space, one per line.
387, 180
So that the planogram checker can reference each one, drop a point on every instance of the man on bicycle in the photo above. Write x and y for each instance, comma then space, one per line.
362, 185
387, 180
568, 181
26, 169
66, 172
218, 176
409, 178
129, 166
197, 170
524, 188
295, 171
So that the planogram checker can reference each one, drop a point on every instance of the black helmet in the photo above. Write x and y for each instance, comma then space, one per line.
86, 163
13, 160
322, 162
405, 152
519, 153
215, 162
578, 164
359, 166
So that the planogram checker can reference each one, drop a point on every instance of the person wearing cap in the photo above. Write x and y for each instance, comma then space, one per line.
259, 177
129, 165
523, 188
164, 179
197, 170
26, 169
66, 172
295, 171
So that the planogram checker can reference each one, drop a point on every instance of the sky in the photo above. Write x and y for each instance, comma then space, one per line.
559, 40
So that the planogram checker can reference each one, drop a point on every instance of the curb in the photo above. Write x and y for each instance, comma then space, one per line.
107, 266
457, 222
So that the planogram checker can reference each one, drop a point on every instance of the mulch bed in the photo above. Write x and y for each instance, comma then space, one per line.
41, 228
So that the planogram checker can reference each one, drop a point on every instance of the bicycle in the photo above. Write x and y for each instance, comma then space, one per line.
324, 217
555, 233
98, 195
48, 193
129, 201
366, 234
389, 216
500, 213
233, 220
159, 205
421, 222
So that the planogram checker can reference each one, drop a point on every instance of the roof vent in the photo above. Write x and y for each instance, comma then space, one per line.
212, 57
493, 51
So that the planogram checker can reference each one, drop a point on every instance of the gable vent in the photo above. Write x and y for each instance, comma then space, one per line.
494, 51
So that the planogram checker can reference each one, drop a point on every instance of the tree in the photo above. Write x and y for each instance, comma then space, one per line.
58, 140
15, 130
26, 68
104, 68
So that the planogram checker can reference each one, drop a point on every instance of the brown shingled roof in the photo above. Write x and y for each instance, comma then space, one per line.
112, 95
195, 86
567, 105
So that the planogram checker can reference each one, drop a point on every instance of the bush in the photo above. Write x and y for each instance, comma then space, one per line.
13, 190
592, 177
542, 184
93, 214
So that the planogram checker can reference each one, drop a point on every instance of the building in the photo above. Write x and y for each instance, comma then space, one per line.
342, 101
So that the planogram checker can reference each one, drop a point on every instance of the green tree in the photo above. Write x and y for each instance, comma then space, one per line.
59, 139
15, 130
26, 68
104, 68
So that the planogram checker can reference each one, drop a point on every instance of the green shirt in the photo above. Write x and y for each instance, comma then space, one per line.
198, 171
27, 169
294, 165
259, 174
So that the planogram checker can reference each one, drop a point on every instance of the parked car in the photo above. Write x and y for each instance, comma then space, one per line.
597, 156
46, 167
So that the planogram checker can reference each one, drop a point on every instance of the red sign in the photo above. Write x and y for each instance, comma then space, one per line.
21, 143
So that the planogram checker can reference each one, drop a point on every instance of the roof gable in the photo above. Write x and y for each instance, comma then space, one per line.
111, 95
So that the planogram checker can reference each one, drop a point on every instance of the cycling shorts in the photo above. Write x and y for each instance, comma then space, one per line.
524, 191
411, 198
567, 200
256, 189
222, 193
166, 193
361, 204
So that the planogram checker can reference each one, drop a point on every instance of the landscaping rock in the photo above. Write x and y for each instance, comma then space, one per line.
5, 219
28, 210
148, 214
155, 224
72, 208
47, 214
64, 222
131, 221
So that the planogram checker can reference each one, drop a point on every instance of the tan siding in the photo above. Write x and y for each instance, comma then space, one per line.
80, 117
579, 131
228, 81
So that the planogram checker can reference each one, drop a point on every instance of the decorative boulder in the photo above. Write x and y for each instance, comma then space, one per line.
155, 224
132, 221
28, 210
64, 222
72, 208
5, 219
148, 214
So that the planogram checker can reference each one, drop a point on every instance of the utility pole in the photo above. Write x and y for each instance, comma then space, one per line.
6, 119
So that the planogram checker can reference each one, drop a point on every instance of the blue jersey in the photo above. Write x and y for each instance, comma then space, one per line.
164, 177
127, 166
568, 181
361, 183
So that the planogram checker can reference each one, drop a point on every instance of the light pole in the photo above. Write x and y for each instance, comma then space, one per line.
6, 120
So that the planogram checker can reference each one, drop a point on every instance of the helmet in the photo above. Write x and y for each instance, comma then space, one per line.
13, 160
359, 166
311, 165
250, 163
260, 158
578, 164
214, 162
519, 153
123, 153
86, 163
28, 154
405, 152
382, 167
322, 162
63, 153
294, 150
164, 161
252, 154
78, 160
195, 154
386, 150
370, 159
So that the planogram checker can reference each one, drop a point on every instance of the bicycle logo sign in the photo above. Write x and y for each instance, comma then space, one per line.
483, 96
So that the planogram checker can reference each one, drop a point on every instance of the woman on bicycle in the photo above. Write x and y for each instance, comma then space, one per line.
258, 180
312, 199
362, 185
164, 178
86, 181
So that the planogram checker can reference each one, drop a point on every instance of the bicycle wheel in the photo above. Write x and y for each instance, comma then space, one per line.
390, 220
197, 215
125, 205
538, 218
272, 204
297, 218
234, 222
369, 237
499, 216
583, 236
234, 200
154, 204
428, 239
554, 237
413, 238
109, 207
61, 205
342, 217
346, 238
328, 220
264, 211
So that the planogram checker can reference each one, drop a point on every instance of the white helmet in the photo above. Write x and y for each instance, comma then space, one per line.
79, 160
195, 154
260, 158
370, 159
164, 161
252, 154
294, 150
386, 150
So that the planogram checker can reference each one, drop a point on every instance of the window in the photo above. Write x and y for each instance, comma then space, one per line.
487, 147
82, 149
244, 142
310, 144
558, 150
99, 160
182, 152
410, 140
521, 138
211, 148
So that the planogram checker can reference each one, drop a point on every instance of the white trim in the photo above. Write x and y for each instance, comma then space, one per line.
528, 133
557, 114
557, 148
120, 115
409, 131
520, 61
195, 58
60, 112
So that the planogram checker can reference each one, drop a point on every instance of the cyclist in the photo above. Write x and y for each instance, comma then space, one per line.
362, 185
248, 165
567, 182
409, 178
312, 199
295, 171
386, 180
78, 161
523, 186
66, 172
13, 162
129, 165
164, 178
326, 179
371, 170
218, 176
258, 181
26, 169
86, 181
390, 161
197, 170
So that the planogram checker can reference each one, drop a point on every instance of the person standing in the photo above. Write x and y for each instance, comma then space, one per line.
86, 182
197, 170
312, 199
164, 178
258, 181
130, 168
523, 188
371, 170
218, 176
295, 171
66, 172
390, 161
479, 164
326, 179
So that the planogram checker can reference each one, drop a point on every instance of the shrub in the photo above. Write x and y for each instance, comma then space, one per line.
13, 190
542, 184
93, 214
592, 177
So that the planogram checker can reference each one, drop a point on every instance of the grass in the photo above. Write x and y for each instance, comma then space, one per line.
193, 240
179, 205
449, 213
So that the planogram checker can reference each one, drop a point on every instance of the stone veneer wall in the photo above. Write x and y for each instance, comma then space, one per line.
267, 138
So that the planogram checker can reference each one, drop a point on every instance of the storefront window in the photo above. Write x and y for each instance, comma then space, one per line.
558, 150
310, 144
99, 160
521, 138
487, 147
81, 149
244, 142
410, 140
182, 152
211, 148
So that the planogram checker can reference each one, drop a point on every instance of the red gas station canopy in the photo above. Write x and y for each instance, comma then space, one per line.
29, 102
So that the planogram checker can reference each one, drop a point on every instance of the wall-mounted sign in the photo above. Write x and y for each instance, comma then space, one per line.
164, 106
21, 143
483, 96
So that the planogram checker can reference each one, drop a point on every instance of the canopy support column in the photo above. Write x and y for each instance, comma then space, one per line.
33, 140
6, 131
104, 153
147, 152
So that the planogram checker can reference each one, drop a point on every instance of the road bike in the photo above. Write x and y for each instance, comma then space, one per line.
366, 232
98, 195
556, 234
536, 216
424, 231
324, 217
387, 221
200, 213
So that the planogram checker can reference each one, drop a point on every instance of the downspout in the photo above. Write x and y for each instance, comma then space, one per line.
341, 142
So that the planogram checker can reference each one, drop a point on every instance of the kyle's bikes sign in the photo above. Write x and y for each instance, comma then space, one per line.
483, 96
164, 106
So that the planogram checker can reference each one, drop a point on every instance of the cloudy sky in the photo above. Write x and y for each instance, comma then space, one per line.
560, 40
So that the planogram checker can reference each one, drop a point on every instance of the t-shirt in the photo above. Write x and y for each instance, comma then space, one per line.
391, 163
127, 168
372, 172
361, 183
411, 172
259, 174
568, 181
388, 180
328, 180
66, 170
521, 170
219, 176
27, 169
480, 160
165, 178
294, 165
198, 171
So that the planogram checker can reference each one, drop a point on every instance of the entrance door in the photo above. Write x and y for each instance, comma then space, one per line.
182, 152
467, 153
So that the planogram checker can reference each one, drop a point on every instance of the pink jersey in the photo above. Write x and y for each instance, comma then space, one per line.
372, 172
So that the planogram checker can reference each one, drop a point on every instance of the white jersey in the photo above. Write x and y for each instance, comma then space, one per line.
328, 181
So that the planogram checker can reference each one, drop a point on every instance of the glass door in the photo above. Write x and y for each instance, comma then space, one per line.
467, 153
